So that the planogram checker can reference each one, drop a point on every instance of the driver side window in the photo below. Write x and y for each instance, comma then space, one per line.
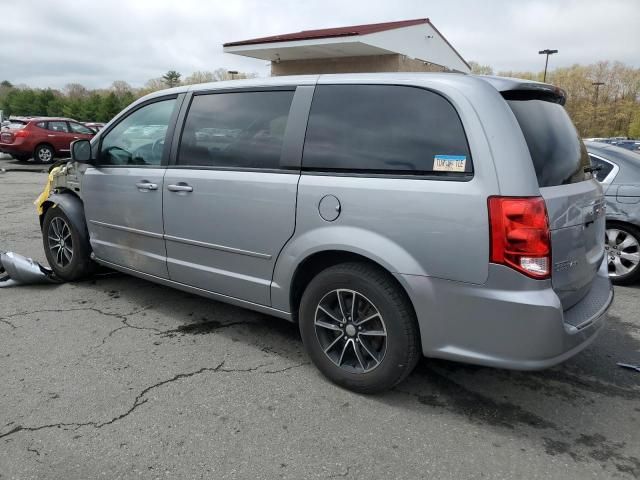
139, 138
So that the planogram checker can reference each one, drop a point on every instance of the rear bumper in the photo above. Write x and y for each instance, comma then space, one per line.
14, 149
509, 322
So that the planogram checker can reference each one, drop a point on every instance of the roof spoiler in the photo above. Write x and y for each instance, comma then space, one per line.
520, 89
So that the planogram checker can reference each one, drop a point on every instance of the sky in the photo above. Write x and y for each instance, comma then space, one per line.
46, 43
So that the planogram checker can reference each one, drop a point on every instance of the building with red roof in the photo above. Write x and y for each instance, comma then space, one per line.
409, 46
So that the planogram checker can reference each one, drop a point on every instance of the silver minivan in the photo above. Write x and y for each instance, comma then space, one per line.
389, 215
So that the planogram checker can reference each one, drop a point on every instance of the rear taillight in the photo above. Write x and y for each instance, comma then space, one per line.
21, 133
519, 234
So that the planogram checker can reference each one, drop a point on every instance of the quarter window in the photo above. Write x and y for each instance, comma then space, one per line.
235, 130
605, 168
139, 139
384, 129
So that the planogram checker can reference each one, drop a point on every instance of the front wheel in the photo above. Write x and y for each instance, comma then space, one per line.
622, 248
67, 251
359, 327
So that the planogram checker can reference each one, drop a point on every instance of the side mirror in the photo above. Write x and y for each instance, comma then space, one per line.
81, 151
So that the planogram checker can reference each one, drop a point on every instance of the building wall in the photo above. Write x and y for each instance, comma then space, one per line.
363, 64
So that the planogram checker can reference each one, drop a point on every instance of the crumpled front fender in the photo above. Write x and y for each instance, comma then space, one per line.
74, 210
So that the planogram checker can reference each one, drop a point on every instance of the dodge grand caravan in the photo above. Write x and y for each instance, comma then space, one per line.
389, 215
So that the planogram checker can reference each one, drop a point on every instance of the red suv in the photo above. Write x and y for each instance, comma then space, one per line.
42, 138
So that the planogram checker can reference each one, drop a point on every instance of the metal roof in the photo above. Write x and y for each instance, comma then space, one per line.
349, 31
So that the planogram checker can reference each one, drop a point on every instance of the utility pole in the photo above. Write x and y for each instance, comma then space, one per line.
546, 52
595, 103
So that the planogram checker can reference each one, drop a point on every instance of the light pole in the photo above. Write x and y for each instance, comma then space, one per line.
232, 73
546, 52
595, 103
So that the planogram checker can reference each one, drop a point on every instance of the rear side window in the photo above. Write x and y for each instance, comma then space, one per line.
558, 154
58, 127
235, 130
605, 168
384, 129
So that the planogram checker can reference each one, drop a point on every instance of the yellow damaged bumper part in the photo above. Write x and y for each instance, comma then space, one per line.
47, 189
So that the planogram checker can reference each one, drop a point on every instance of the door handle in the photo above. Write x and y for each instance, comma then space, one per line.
180, 188
51, 135
147, 186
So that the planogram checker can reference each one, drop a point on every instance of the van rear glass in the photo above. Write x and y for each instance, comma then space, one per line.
558, 154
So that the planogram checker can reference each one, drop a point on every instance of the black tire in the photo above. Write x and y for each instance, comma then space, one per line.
71, 267
633, 276
402, 340
44, 153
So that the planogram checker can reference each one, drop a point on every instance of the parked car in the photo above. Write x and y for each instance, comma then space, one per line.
42, 138
95, 126
619, 174
633, 145
389, 215
13, 123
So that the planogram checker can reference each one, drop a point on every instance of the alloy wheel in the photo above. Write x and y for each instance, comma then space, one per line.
44, 155
623, 252
351, 331
60, 241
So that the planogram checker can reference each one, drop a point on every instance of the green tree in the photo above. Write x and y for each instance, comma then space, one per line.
74, 108
125, 100
92, 106
171, 78
634, 126
109, 107
55, 108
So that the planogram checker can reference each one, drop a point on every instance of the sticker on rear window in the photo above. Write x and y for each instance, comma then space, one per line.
449, 163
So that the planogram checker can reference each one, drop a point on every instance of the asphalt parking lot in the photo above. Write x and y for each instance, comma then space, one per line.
116, 377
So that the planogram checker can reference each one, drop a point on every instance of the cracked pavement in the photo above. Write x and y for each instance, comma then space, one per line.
116, 377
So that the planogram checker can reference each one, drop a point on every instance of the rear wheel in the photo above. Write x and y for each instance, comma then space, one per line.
359, 327
68, 253
622, 248
43, 154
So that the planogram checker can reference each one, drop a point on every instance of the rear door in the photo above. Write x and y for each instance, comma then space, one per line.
229, 199
574, 200
58, 135
122, 193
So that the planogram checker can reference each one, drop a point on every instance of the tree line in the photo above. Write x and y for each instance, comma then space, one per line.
606, 110
98, 105
603, 99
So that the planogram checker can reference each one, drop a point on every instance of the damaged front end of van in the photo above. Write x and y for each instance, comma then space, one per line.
16, 269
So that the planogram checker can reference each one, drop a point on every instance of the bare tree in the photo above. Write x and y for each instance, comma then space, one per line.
478, 69
75, 91
121, 88
199, 77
